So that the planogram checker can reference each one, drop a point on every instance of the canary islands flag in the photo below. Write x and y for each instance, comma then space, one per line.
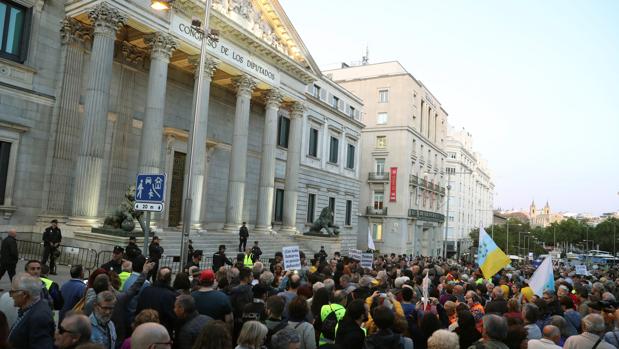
490, 257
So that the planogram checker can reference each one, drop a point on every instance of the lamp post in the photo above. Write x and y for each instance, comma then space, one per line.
206, 34
449, 173
507, 224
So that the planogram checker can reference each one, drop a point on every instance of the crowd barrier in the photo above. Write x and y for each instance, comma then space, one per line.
69, 255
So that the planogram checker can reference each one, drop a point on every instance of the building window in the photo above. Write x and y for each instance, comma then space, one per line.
283, 128
316, 91
451, 170
313, 142
5, 155
279, 205
333, 150
383, 96
351, 111
350, 157
348, 220
381, 118
452, 155
311, 207
380, 166
379, 199
332, 208
335, 102
14, 22
377, 231
381, 142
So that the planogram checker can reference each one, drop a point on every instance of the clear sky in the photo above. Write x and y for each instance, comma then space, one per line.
535, 82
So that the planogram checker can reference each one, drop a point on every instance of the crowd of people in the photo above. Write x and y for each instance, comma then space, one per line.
330, 302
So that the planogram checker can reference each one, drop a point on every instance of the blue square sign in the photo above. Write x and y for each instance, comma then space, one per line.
150, 188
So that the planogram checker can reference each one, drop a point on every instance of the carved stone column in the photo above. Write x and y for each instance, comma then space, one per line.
106, 21
238, 157
162, 45
293, 161
62, 151
267, 164
199, 154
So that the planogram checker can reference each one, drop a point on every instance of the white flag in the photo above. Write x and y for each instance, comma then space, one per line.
543, 278
370, 240
425, 285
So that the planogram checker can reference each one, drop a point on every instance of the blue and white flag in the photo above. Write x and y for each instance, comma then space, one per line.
543, 278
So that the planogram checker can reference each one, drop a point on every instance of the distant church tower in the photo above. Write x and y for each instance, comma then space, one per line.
532, 210
546, 209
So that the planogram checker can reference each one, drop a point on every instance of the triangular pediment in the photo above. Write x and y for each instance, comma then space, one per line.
266, 20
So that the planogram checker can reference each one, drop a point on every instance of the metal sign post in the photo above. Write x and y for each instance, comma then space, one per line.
149, 197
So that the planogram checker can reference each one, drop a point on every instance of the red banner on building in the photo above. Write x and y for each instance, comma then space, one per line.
392, 191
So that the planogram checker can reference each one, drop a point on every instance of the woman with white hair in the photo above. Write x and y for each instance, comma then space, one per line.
443, 339
252, 335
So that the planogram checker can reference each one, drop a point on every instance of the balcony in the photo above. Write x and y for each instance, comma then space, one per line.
442, 190
414, 180
378, 177
426, 216
372, 211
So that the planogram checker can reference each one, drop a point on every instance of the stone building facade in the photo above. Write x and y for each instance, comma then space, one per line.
471, 194
402, 170
103, 89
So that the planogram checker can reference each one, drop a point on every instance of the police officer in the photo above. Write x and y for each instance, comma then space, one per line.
256, 252
196, 258
220, 259
51, 241
132, 250
243, 236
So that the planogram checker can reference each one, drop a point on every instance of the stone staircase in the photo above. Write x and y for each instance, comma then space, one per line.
209, 241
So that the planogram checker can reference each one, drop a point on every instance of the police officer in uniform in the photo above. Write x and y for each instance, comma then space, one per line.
132, 250
243, 236
51, 241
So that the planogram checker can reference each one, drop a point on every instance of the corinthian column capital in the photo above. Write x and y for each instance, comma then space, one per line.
161, 45
244, 84
73, 31
273, 98
297, 109
210, 64
106, 19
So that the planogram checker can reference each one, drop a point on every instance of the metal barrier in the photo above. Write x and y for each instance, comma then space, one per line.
69, 255
172, 262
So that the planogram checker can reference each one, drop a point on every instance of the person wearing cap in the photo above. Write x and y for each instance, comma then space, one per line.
220, 259
52, 237
243, 236
196, 258
155, 251
212, 302
132, 250
256, 252
116, 263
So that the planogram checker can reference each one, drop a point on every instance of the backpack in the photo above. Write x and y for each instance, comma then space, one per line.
274, 330
329, 325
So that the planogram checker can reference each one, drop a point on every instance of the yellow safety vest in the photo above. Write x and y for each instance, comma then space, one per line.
48, 283
123, 277
248, 262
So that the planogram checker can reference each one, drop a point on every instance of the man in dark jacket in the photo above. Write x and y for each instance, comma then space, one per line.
498, 304
256, 252
160, 297
190, 322
385, 337
243, 236
349, 333
116, 263
155, 252
9, 254
73, 290
52, 236
220, 259
34, 326
132, 250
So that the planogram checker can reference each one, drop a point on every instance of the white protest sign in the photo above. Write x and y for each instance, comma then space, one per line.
354, 254
366, 260
292, 260
581, 269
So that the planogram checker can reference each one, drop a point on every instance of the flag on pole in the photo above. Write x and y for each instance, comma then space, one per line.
543, 278
490, 257
370, 240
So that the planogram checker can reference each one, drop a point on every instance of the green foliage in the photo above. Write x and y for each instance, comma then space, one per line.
519, 237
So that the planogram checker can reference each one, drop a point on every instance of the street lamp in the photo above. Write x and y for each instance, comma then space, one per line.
507, 224
206, 34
